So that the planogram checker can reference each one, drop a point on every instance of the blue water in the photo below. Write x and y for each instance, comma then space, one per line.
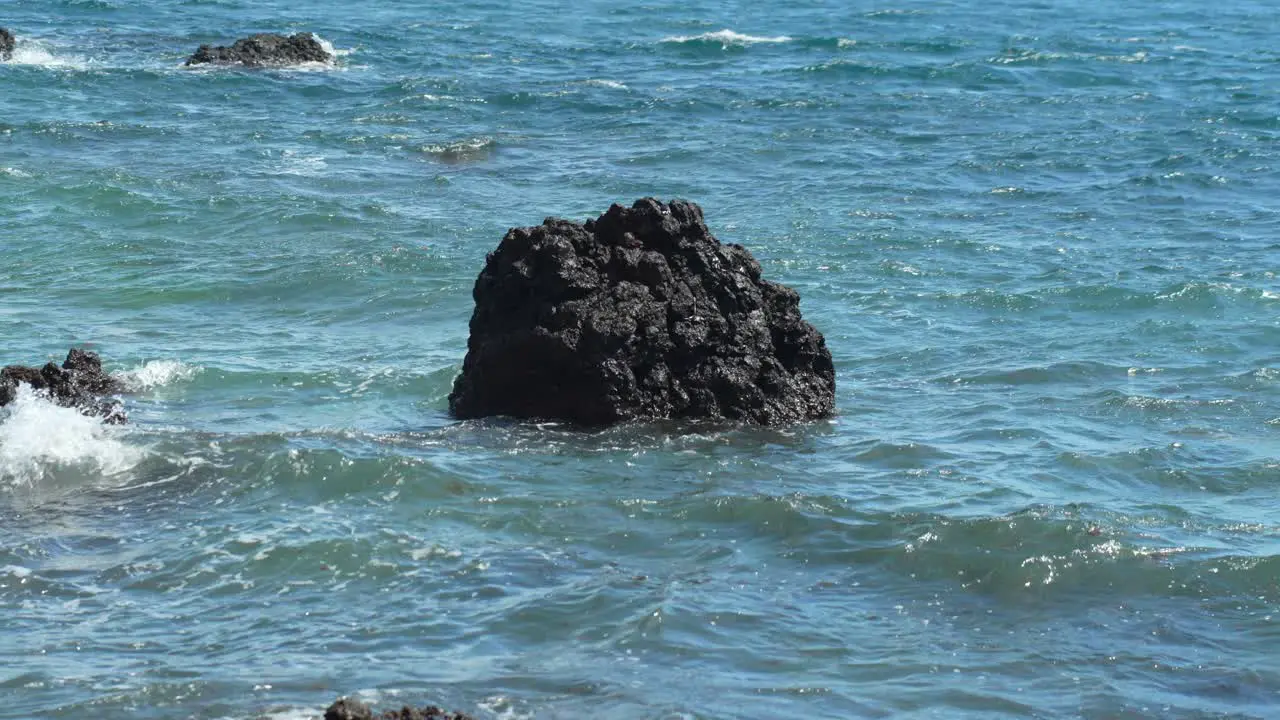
1042, 240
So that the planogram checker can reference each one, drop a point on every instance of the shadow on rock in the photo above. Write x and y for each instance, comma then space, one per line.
80, 383
264, 50
640, 314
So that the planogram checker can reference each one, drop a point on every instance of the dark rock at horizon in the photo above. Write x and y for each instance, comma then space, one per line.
79, 383
639, 314
7, 43
264, 50
352, 709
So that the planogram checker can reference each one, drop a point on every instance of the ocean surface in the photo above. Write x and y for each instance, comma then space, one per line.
1042, 240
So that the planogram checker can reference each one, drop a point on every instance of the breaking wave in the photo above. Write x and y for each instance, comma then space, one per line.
157, 373
39, 439
37, 53
726, 38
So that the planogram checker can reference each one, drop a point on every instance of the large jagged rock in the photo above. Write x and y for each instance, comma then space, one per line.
352, 709
264, 50
7, 43
639, 314
80, 383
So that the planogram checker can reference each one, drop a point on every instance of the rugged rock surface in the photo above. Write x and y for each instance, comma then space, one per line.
265, 49
352, 709
7, 43
639, 314
79, 383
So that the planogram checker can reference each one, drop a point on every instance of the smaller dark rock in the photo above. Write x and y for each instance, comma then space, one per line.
79, 383
264, 50
7, 43
352, 709
348, 709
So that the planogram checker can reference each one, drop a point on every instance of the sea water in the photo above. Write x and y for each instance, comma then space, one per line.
1041, 239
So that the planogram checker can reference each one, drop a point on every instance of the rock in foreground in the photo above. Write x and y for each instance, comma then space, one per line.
7, 43
352, 709
639, 314
264, 50
79, 383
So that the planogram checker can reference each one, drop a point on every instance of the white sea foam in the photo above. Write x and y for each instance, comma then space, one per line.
503, 708
293, 163
598, 82
461, 151
157, 373
314, 67
727, 37
38, 438
289, 713
35, 52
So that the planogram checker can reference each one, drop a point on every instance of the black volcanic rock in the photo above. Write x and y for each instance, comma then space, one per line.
79, 383
263, 50
639, 314
352, 709
7, 43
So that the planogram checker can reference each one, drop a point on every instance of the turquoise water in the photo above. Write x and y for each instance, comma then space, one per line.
1041, 239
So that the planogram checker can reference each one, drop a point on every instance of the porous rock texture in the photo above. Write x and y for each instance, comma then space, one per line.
80, 383
352, 709
7, 43
264, 49
638, 314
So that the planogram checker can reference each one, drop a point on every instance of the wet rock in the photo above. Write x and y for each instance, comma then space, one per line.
639, 314
79, 383
263, 50
7, 43
352, 709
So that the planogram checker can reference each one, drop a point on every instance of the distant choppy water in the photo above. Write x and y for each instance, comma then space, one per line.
1041, 238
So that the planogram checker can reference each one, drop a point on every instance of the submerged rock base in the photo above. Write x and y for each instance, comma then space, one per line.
352, 709
264, 50
638, 314
79, 383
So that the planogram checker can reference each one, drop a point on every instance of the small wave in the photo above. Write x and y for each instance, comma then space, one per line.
293, 163
157, 373
462, 150
725, 38
16, 571
1039, 374
612, 84
36, 53
1026, 56
38, 438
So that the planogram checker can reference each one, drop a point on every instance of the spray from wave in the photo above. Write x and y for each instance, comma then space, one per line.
329, 48
39, 439
156, 373
330, 66
37, 53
